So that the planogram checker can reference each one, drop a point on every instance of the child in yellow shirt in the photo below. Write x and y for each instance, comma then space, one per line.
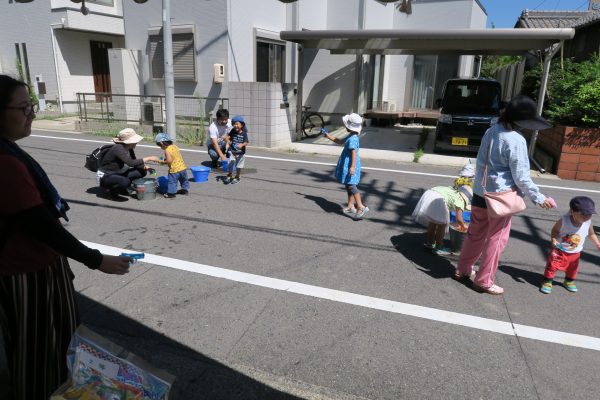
177, 168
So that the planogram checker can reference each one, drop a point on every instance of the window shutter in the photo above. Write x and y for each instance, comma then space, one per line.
184, 66
184, 57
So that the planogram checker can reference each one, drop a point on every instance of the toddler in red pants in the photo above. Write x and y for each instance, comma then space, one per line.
568, 237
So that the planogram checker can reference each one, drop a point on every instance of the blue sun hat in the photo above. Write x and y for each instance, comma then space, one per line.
238, 118
162, 137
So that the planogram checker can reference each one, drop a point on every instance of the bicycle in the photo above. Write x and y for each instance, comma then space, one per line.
312, 123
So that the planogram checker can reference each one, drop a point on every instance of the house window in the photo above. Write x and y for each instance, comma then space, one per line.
270, 61
184, 59
429, 75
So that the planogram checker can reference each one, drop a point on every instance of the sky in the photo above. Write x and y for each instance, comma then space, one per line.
504, 13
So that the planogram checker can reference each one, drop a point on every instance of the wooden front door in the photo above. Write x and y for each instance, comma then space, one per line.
100, 68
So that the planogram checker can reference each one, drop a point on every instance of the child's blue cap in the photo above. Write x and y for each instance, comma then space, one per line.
238, 118
162, 137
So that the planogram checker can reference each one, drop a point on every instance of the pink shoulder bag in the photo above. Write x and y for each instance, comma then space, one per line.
501, 204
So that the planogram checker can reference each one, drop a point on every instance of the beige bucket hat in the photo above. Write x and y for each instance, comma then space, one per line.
127, 136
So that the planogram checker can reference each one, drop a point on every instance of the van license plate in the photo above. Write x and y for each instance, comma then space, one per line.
460, 141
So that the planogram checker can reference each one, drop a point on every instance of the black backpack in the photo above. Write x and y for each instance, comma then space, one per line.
92, 160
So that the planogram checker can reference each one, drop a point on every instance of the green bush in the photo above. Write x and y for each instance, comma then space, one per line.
574, 93
573, 96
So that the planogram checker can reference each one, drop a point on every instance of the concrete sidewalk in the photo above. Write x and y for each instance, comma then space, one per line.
396, 144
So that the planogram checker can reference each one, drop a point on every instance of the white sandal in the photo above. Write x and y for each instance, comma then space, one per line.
494, 289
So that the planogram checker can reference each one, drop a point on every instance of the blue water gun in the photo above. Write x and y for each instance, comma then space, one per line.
134, 256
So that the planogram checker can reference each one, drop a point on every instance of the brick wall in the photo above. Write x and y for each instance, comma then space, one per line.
576, 151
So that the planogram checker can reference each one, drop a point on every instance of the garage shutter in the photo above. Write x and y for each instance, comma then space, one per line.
184, 60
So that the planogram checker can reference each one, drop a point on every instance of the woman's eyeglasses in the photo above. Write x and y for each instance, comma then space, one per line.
28, 109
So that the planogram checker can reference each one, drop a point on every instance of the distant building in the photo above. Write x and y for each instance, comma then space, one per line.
58, 45
221, 45
586, 24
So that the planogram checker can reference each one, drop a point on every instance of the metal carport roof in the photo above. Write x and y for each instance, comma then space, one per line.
433, 42
430, 41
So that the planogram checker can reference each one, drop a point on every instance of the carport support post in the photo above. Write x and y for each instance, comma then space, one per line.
548, 55
299, 92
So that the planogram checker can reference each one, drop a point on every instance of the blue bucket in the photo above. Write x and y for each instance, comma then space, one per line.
466, 216
225, 165
163, 184
200, 174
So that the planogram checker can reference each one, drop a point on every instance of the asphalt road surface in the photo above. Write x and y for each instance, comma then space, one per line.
265, 290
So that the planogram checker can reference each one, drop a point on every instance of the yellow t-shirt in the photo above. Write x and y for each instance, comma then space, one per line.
178, 164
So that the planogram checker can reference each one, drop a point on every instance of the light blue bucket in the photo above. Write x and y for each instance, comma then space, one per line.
200, 174
225, 165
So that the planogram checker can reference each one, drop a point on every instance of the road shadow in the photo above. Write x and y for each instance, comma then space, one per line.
197, 376
522, 275
326, 205
410, 245
103, 194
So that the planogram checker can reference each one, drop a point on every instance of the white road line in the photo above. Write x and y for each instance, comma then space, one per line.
433, 314
398, 171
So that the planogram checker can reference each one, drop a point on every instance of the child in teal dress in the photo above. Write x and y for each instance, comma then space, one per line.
348, 166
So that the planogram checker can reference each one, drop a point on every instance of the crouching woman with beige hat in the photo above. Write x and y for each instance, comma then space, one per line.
119, 164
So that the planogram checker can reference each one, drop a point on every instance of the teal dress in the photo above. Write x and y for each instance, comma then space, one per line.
341, 171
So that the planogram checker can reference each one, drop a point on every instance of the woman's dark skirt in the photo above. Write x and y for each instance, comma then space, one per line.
38, 316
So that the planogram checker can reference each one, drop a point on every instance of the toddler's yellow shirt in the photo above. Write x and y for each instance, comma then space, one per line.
178, 164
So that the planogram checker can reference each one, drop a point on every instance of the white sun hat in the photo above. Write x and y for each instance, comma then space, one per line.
353, 122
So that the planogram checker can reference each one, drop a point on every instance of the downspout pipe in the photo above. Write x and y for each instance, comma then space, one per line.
54, 47
549, 54
299, 94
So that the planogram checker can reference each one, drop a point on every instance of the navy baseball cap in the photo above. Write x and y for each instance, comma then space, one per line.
522, 110
583, 204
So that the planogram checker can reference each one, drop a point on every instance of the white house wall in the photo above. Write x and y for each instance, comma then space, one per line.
74, 62
446, 14
245, 16
115, 10
209, 20
31, 23
28, 23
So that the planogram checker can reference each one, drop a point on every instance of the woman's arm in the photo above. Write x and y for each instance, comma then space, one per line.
124, 155
41, 225
518, 158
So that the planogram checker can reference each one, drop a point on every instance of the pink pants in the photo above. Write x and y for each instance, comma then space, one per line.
486, 238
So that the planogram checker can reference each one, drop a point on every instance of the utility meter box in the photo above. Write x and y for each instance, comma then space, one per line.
219, 73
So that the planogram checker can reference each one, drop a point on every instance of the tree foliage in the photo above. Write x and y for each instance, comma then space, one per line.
574, 93
489, 64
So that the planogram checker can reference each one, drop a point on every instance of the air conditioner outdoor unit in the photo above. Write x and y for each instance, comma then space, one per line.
391, 106
160, 114
153, 112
